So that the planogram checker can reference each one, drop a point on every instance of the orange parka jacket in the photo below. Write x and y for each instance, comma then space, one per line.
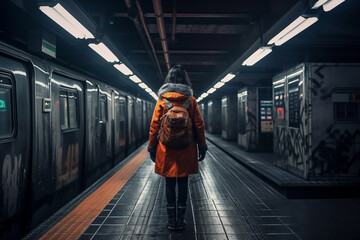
171, 162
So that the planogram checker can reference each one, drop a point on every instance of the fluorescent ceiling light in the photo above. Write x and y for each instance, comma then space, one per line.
135, 79
104, 52
204, 95
148, 90
123, 68
228, 77
211, 90
219, 85
295, 73
292, 30
143, 85
62, 17
286, 30
318, 4
305, 24
331, 4
154, 95
257, 56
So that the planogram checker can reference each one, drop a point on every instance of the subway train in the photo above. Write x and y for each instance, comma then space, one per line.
60, 131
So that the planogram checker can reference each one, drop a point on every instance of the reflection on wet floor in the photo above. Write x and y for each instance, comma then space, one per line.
226, 201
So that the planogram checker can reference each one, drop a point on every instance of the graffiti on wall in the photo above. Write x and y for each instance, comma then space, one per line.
337, 153
297, 141
68, 165
280, 149
11, 183
251, 130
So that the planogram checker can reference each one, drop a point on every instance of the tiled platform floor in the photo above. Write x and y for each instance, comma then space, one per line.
226, 201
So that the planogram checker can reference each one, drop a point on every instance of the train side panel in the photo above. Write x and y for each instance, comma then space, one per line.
119, 127
67, 135
131, 135
15, 146
99, 131
138, 122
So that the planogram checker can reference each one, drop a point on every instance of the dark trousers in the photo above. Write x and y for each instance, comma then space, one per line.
182, 183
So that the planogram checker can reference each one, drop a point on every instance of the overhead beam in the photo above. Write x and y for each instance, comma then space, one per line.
205, 52
183, 15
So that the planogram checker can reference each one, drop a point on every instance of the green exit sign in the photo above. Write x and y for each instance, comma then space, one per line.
48, 48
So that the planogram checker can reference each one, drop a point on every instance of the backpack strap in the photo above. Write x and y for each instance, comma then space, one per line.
187, 103
169, 105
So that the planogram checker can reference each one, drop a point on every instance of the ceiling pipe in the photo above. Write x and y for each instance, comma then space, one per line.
173, 21
161, 27
142, 19
141, 28
128, 3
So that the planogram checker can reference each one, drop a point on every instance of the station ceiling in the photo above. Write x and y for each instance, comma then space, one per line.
209, 38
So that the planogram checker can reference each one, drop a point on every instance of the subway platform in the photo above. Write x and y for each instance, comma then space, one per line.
226, 201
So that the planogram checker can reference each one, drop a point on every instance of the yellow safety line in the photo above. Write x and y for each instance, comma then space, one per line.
78, 220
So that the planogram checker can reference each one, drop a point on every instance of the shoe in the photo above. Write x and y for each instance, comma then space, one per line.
181, 223
171, 211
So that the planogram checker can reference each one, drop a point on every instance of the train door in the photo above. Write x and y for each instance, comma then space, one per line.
131, 125
122, 126
15, 147
119, 127
138, 124
114, 129
144, 120
68, 135
103, 132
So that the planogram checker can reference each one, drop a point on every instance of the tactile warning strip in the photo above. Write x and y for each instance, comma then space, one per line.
76, 222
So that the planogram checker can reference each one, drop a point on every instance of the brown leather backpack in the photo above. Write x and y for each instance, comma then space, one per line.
176, 126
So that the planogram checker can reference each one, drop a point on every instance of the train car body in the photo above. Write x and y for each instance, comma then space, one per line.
60, 132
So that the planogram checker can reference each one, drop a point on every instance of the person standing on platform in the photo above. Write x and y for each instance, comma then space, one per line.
176, 141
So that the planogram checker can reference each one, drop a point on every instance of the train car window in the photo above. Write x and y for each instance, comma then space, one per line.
73, 116
103, 108
64, 118
122, 108
6, 108
68, 100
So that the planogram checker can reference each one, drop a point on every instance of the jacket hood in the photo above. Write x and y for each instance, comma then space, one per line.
175, 87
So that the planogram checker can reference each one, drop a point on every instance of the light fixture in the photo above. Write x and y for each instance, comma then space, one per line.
211, 90
143, 85
62, 17
204, 95
292, 30
135, 79
228, 77
295, 73
257, 56
219, 85
154, 95
331, 4
123, 68
104, 52
318, 4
